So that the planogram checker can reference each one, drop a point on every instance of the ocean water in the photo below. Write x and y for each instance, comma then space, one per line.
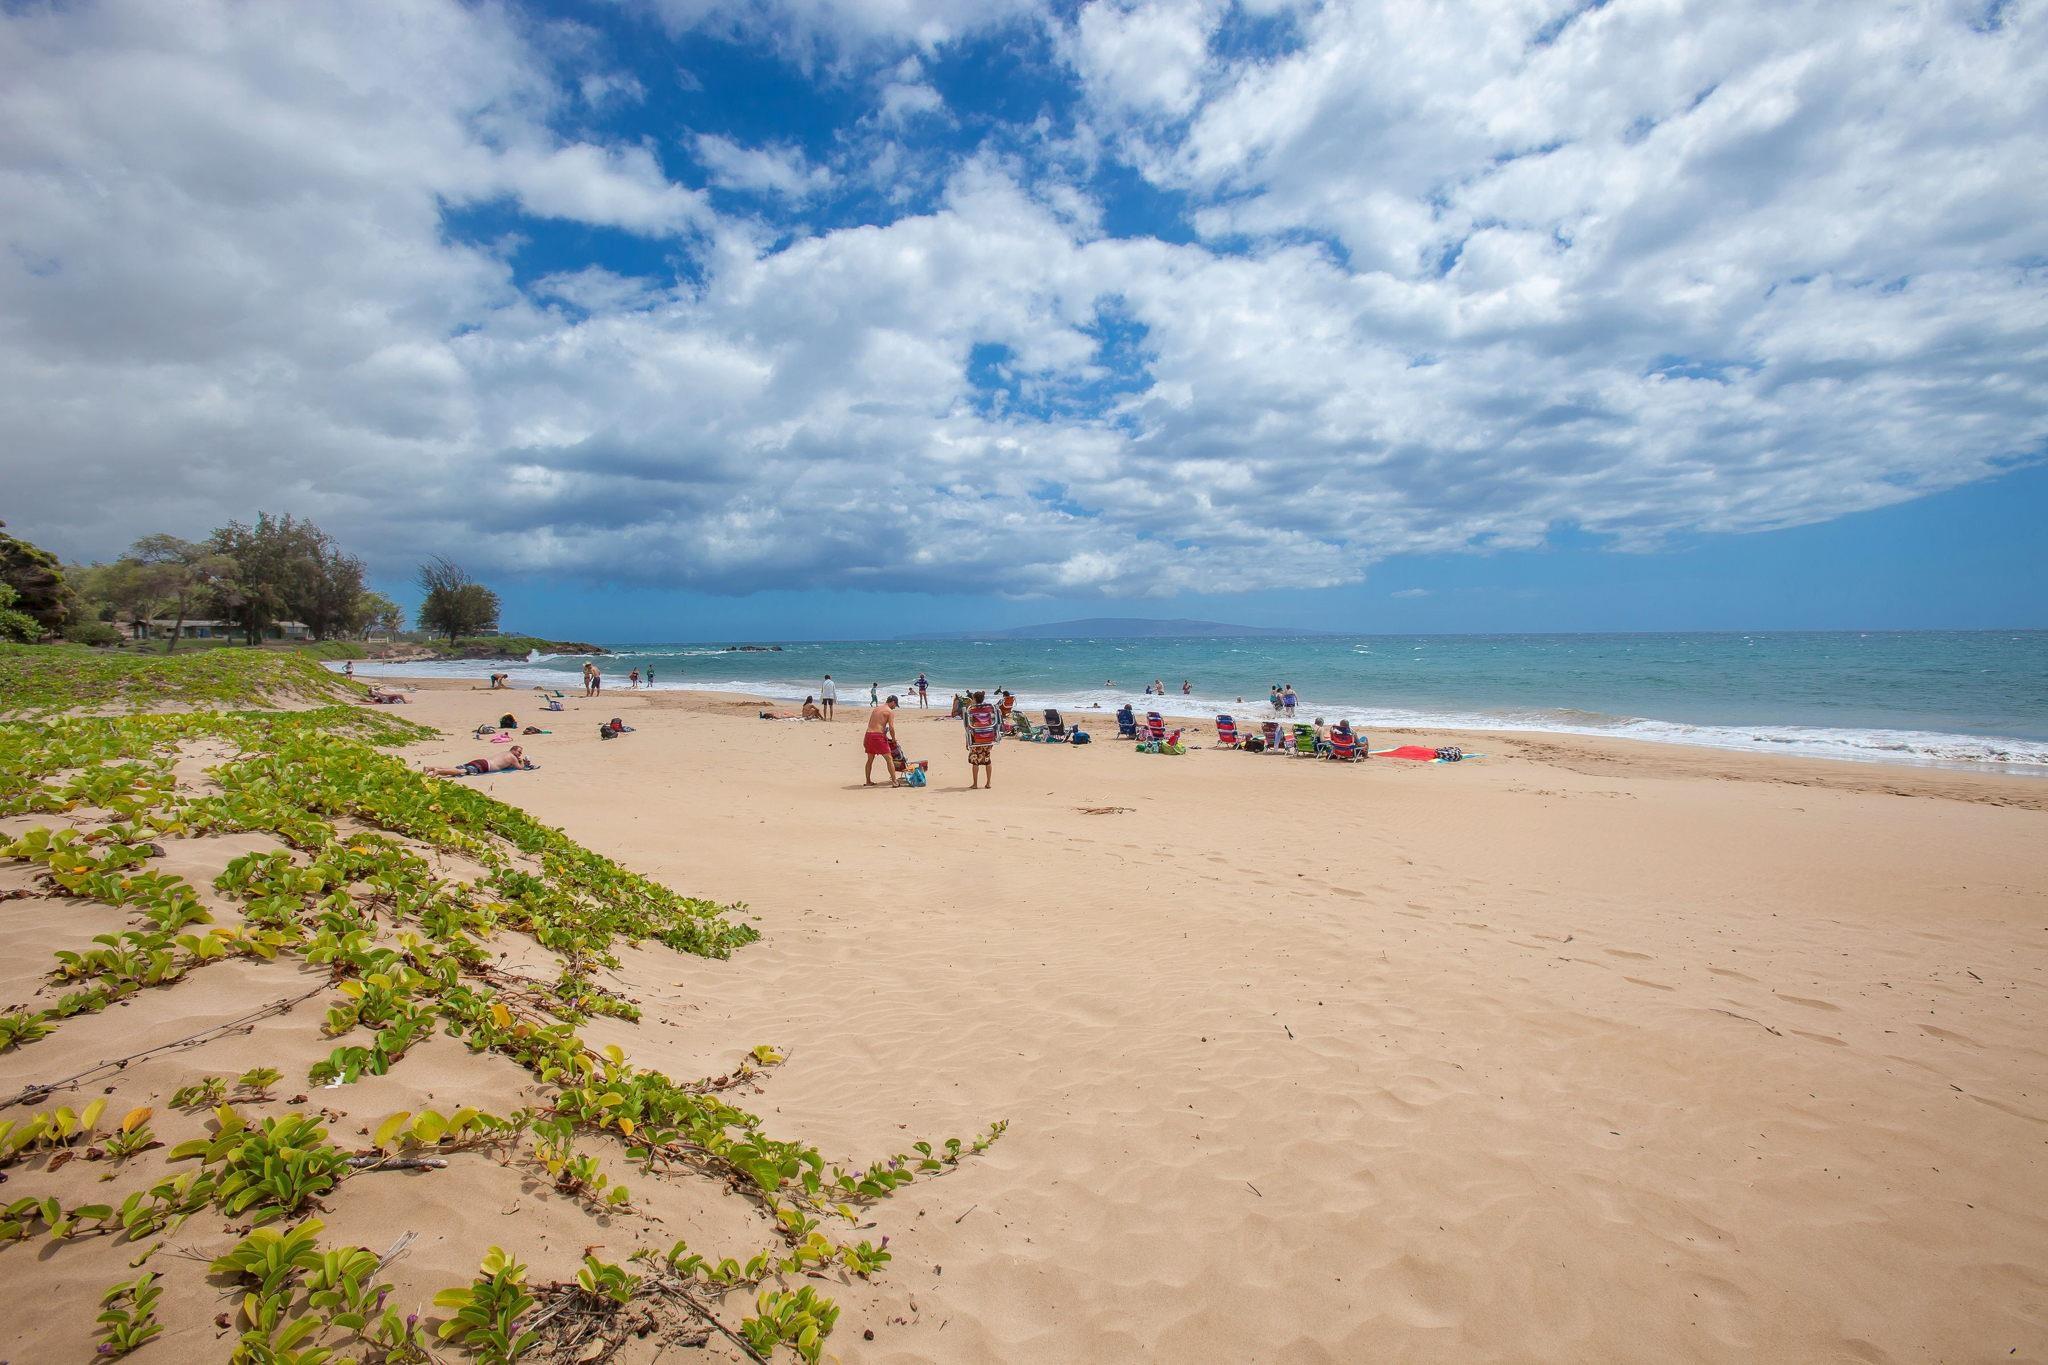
1976, 699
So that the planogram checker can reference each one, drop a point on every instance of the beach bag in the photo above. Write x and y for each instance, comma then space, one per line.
983, 726
606, 732
916, 777
1450, 753
1079, 737
1254, 745
506, 722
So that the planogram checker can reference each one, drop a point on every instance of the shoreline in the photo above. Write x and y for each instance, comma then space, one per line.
1588, 754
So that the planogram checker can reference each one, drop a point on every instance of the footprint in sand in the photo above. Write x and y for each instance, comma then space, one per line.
1653, 985
1347, 891
1732, 974
1810, 1004
1948, 1035
1623, 952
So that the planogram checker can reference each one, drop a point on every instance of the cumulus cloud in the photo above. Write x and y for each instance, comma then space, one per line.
1446, 284
781, 171
1144, 56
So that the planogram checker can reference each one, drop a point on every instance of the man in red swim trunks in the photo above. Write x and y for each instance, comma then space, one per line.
881, 733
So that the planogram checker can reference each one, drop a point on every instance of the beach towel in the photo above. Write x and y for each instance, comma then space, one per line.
1420, 754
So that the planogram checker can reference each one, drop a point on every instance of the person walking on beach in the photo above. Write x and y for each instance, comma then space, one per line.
984, 726
874, 693
633, 681
881, 733
596, 680
923, 691
827, 695
348, 670
650, 680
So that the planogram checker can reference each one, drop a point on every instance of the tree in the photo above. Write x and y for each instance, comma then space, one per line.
290, 568
38, 582
455, 606
16, 625
375, 609
175, 575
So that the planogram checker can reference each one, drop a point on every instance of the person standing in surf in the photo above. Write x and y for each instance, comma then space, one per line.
827, 695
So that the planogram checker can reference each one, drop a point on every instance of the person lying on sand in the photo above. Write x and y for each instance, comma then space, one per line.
516, 758
379, 697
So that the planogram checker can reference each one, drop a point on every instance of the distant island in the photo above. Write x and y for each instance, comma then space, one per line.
1111, 628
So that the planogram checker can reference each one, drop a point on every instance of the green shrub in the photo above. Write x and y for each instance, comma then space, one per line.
98, 634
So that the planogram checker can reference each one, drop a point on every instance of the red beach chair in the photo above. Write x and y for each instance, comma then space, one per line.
1226, 732
1344, 746
1156, 724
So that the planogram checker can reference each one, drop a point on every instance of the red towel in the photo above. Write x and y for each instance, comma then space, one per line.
1415, 751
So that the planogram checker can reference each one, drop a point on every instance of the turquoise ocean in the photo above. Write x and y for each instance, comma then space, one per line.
1976, 699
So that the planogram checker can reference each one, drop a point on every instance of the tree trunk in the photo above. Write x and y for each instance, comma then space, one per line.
176, 630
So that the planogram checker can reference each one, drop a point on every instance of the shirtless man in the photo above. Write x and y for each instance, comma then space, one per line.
476, 766
881, 732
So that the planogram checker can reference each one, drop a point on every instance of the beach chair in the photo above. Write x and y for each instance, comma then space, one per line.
1304, 741
1126, 723
1055, 728
1023, 725
1345, 746
1226, 732
1155, 725
1270, 731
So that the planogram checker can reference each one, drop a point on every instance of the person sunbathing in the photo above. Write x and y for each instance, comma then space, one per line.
511, 761
379, 697
811, 711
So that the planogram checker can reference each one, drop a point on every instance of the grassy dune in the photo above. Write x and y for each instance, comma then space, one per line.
277, 907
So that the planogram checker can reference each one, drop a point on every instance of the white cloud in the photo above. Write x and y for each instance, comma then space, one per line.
781, 171
903, 101
1454, 288
1144, 56
806, 28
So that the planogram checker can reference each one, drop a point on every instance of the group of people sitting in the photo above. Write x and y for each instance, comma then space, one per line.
1302, 740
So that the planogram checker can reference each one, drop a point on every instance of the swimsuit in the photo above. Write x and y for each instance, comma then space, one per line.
977, 755
476, 767
877, 742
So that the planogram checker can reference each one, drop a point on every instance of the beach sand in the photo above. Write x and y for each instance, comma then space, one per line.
1580, 1051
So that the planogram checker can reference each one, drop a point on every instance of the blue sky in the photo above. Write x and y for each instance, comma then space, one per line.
786, 317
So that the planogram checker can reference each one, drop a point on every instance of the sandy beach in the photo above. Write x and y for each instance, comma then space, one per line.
1579, 1051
